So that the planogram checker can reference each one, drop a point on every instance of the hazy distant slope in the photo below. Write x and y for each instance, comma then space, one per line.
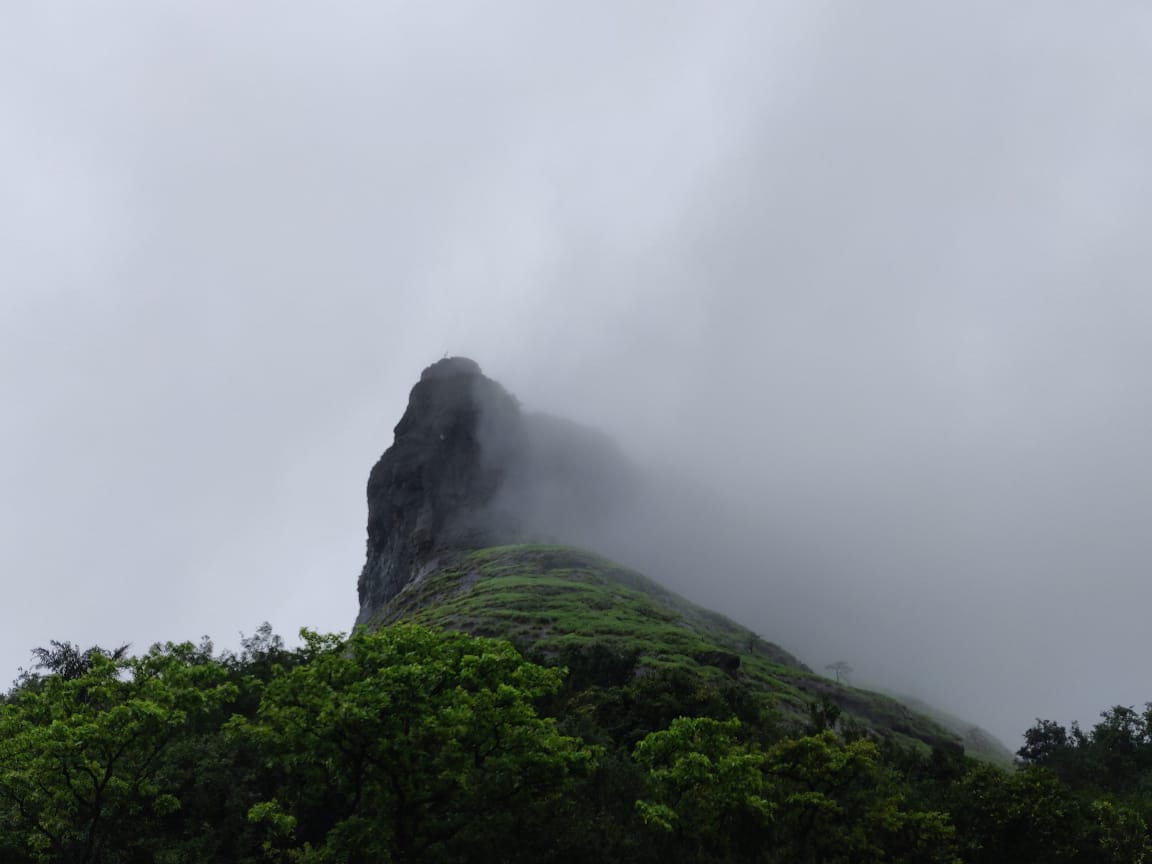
547, 597
978, 742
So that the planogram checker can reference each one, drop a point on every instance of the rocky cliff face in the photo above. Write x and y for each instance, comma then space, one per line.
468, 469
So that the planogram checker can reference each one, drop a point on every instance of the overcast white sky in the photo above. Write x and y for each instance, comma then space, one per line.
877, 271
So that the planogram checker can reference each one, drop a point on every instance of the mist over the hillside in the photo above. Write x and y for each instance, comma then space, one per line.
870, 282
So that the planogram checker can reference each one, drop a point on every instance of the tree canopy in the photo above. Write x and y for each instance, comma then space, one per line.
410, 744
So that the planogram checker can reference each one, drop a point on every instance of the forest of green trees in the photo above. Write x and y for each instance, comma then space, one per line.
416, 745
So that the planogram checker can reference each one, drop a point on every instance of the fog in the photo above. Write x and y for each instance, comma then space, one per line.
870, 278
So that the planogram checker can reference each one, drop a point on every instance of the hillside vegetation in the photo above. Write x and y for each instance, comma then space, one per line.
408, 744
552, 600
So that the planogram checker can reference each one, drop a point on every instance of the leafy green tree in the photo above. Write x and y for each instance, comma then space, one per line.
836, 801
818, 799
409, 744
69, 662
1119, 834
822, 716
1045, 742
707, 789
1023, 816
1120, 749
80, 749
1114, 758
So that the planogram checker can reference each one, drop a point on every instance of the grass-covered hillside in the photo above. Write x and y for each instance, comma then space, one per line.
551, 599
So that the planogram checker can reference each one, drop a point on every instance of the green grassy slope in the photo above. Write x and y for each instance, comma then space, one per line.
549, 597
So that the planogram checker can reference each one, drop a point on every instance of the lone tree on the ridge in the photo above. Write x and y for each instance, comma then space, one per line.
841, 670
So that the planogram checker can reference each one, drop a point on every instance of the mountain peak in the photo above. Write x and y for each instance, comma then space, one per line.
469, 468
475, 513
451, 366
431, 490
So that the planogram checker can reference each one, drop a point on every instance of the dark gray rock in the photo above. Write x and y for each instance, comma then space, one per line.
468, 469
430, 490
